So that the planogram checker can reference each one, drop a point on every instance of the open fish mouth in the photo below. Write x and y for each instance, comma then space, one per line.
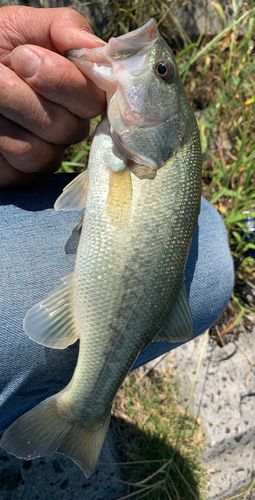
127, 53
121, 68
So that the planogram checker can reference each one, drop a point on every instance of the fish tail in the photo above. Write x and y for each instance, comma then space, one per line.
43, 431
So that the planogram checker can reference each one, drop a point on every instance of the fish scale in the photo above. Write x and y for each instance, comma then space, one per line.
142, 197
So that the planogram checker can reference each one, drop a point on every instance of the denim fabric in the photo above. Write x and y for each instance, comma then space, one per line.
38, 247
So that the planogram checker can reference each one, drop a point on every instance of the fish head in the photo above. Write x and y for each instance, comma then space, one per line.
148, 109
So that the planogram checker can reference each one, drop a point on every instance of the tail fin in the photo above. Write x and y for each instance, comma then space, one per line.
43, 431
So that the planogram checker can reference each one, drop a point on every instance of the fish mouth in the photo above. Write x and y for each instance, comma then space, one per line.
127, 53
112, 68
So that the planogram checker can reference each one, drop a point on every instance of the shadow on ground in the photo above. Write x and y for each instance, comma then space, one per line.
59, 478
160, 469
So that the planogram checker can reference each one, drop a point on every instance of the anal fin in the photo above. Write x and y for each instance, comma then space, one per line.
179, 326
52, 322
80, 224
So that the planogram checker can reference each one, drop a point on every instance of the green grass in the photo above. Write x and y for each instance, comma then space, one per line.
229, 67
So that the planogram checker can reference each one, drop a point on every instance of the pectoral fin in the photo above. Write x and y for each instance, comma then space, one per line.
52, 322
179, 326
74, 194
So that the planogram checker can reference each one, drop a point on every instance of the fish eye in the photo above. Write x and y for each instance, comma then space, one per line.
164, 69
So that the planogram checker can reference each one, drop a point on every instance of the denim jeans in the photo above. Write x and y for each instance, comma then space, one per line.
38, 247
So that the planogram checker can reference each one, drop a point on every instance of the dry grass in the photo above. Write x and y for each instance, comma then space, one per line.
150, 422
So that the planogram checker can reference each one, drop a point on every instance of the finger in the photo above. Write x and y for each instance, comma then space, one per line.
71, 31
47, 120
11, 178
58, 29
58, 80
25, 152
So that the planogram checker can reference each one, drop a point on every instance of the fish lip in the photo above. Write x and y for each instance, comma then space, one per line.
139, 37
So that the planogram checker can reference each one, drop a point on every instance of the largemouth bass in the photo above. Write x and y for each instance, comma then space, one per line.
141, 194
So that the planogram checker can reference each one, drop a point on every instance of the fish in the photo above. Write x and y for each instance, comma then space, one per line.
141, 194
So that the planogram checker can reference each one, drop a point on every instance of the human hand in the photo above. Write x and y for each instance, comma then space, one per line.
45, 102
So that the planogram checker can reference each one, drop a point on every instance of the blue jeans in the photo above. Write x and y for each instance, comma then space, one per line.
38, 247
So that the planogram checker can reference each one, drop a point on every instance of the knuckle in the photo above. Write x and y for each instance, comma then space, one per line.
17, 151
61, 127
48, 123
30, 154
51, 123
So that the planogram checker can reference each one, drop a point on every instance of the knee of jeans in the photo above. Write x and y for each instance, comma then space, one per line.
210, 275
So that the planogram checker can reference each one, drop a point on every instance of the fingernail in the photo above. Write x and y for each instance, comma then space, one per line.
78, 39
93, 38
25, 61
